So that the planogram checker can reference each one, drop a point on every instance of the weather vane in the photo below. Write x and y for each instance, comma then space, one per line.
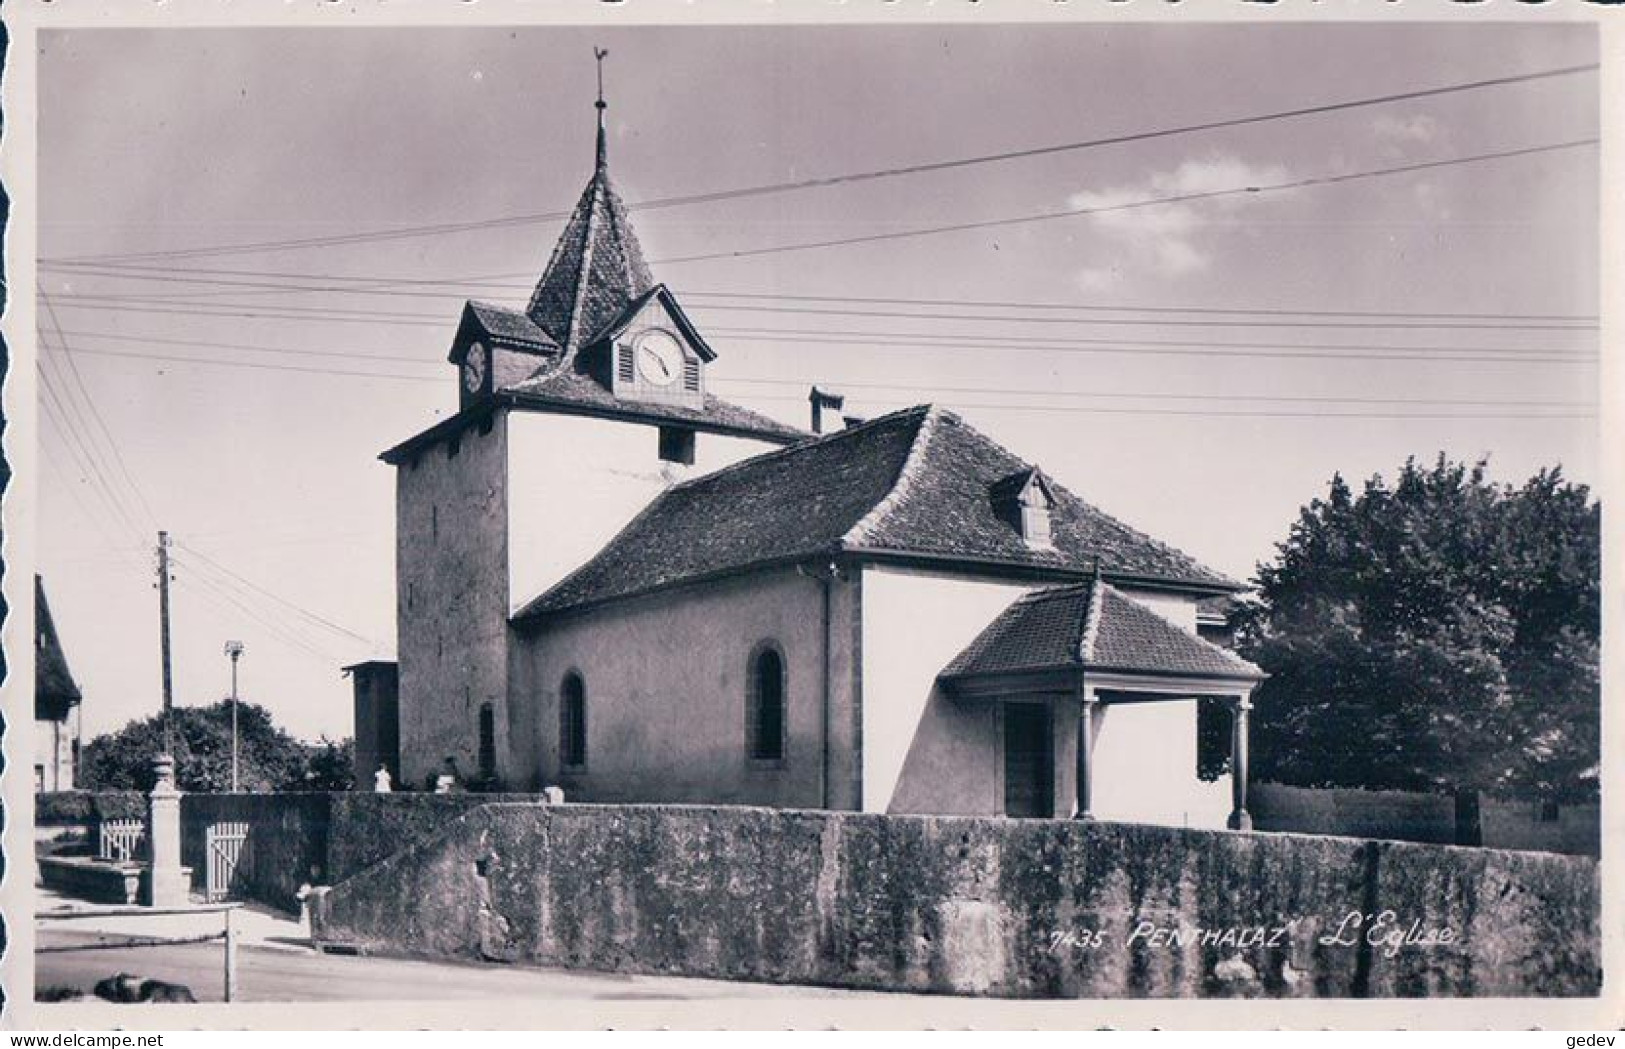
600, 54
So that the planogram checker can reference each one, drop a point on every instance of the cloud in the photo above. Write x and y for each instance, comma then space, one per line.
1418, 128
1167, 240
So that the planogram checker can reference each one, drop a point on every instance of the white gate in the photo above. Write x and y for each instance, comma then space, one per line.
223, 851
120, 839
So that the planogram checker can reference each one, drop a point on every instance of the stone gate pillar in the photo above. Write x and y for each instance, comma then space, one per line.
168, 884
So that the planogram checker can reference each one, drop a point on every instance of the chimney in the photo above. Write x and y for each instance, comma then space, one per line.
821, 399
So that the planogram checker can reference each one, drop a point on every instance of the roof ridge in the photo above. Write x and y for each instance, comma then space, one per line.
1058, 487
1091, 620
906, 473
572, 338
799, 446
1229, 655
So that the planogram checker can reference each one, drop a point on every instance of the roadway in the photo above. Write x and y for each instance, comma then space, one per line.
293, 973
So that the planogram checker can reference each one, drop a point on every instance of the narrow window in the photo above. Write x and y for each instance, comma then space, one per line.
455, 448
1549, 812
434, 523
764, 727
677, 445
625, 363
485, 426
488, 743
573, 722
691, 374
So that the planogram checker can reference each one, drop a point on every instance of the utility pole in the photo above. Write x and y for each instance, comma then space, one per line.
234, 649
163, 639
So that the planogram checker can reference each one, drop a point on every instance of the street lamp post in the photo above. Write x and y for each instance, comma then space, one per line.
234, 649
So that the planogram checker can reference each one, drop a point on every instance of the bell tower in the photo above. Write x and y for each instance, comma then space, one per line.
572, 414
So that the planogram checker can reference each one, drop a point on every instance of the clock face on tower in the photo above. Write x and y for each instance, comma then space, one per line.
474, 368
660, 358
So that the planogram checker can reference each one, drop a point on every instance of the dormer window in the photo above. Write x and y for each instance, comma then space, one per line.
1026, 501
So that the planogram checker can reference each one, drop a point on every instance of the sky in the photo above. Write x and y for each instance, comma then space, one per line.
1199, 367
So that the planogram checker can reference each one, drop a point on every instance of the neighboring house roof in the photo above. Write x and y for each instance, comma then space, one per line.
917, 484
1092, 626
54, 690
596, 269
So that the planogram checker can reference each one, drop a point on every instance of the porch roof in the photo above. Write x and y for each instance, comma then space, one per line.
1090, 627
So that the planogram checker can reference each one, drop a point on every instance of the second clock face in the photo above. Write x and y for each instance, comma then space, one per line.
660, 358
474, 367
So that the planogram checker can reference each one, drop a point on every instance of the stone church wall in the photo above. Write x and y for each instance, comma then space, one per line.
667, 680
452, 599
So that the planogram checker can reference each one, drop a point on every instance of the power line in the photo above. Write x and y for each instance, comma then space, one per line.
1536, 322
218, 362
300, 609
1161, 395
1136, 321
1207, 414
1005, 406
1110, 347
214, 344
56, 413
1222, 310
748, 380
855, 177
95, 414
1184, 198
277, 313
357, 316
1149, 347
215, 594
943, 338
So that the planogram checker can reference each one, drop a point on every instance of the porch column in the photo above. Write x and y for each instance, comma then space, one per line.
1086, 713
1239, 819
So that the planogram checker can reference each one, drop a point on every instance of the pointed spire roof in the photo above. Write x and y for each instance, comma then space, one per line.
597, 267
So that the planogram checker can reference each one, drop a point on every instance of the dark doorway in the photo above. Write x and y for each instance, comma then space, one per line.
1029, 761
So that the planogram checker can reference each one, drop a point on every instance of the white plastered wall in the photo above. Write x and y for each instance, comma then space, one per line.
578, 480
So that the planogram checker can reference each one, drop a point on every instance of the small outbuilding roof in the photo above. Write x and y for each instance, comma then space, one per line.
917, 485
1092, 627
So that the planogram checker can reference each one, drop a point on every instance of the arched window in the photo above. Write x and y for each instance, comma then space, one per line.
488, 743
573, 722
764, 715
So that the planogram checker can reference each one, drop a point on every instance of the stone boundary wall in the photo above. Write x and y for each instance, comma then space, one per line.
1023, 908
299, 839
1407, 816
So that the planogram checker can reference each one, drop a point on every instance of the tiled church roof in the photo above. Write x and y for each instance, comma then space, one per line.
1092, 626
510, 326
567, 387
917, 484
597, 266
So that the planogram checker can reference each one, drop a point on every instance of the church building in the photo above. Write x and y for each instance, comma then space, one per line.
614, 582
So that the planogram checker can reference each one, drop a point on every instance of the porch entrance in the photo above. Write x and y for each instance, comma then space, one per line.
1029, 761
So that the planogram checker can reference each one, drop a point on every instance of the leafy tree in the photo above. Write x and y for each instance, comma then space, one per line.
268, 758
1437, 634
330, 765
